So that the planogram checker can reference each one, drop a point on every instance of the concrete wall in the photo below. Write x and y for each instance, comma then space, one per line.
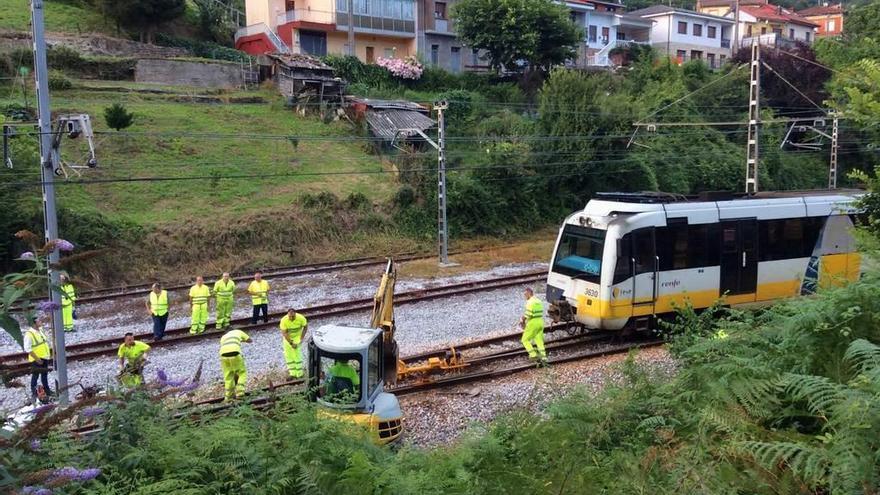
186, 73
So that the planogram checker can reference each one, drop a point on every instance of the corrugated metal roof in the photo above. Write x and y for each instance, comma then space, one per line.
386, 123
374, 104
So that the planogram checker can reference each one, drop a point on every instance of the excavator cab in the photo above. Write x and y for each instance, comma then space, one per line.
350, 366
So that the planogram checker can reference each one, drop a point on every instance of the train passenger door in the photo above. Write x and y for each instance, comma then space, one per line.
739, 259
645, 266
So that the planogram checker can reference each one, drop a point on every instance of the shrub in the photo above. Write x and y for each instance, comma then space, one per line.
117, 117
405, 68
460, 106
58, 81
356, 72
203, 49
63, 57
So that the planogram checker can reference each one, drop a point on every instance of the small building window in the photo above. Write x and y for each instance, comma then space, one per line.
791, 33
698, 29
435, 54
682, 27
711, 32
389, 53
831, 26
475, 57
621, 35
680, 56
439, 10
696, 55
808, 36
593, 34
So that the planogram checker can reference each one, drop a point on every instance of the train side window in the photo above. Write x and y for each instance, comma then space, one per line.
643, 250
698, 255
672, 246
812, 228
713, 245
623, 269
793, 238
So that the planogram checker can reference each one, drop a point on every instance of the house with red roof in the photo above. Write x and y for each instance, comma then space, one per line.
762, 21
828, 17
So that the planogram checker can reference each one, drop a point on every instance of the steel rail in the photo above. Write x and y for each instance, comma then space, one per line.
269, 396
17, 362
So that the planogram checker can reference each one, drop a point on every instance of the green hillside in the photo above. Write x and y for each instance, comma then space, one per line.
60, 17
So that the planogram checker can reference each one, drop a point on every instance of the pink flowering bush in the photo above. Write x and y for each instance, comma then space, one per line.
404, 68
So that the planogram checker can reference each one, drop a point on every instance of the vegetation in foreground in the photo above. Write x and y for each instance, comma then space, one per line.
787, 403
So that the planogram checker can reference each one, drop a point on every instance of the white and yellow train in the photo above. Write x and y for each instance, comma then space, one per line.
627, 259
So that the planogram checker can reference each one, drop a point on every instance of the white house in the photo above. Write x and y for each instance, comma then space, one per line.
606, 27
689, 35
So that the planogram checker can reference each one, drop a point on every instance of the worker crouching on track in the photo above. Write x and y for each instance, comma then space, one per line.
157, 306
68, 298
224, 294
198, 297
39, 354
532, 323
132, 359
293, 329
259, 291
232, 363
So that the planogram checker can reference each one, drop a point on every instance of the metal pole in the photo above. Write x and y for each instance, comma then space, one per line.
442, 227
752, 142
47, 174
735, 46
832, 168
351, 50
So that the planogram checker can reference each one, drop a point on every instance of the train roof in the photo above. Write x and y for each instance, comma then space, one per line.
658, 197
717, 206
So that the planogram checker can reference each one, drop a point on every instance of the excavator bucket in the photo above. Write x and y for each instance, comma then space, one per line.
383, 317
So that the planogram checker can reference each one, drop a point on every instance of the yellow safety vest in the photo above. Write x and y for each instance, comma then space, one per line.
230, 342
534, 308
68, 294
259, 292
135, 351
224, 290
199, 295
159, 303
294, 328
39, 345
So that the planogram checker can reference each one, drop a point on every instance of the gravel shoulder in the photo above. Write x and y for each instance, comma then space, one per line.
439, 418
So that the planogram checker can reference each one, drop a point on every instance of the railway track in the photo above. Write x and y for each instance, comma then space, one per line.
16, 363
485, 366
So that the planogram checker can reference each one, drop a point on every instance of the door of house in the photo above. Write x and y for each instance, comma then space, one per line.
455, 59
606, 35
739, 257
371, 56
313, 42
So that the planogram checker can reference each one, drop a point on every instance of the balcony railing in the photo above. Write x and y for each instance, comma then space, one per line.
772, 39
262, 28
441, 25
305, 15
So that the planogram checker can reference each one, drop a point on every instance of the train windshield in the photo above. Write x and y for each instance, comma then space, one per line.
580, 253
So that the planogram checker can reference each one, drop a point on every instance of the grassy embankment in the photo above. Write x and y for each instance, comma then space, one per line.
60, 17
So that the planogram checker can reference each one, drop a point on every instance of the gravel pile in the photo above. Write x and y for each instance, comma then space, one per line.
421, 326
439, 418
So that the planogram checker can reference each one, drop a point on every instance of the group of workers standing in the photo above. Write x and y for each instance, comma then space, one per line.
293, 327
200, 295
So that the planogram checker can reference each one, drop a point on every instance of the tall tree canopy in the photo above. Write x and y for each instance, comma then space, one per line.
143, 15
538, 32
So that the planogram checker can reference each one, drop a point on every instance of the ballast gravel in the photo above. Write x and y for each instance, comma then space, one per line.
439, 418
420, 326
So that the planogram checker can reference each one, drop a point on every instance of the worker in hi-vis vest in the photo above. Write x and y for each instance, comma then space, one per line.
157, 306
293, 328
198, 297
259, 291
232, 363
39, 355
224, 295
132, 359
68, 298
532, 323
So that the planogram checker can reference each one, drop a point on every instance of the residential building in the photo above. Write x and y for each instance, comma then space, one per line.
689, 35
828, 17
606, 27
762, 21
438, 43
382, 28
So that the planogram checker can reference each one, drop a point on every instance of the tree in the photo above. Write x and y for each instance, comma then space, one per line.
117, 117
809, 78
144, 15
537, 32
214, 23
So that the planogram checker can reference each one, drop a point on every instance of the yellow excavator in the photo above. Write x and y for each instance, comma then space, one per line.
349, 368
